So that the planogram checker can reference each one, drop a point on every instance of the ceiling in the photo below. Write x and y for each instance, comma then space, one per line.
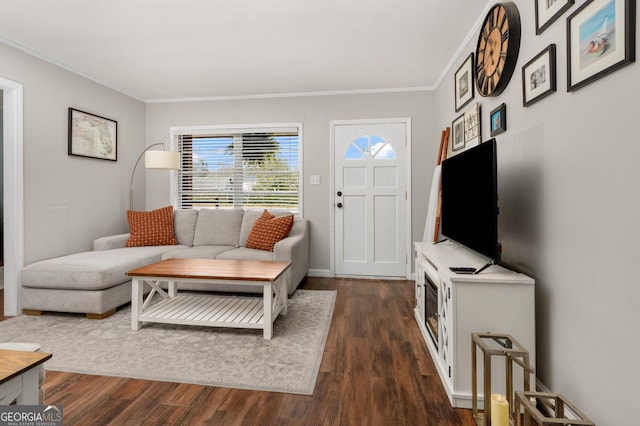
169, 49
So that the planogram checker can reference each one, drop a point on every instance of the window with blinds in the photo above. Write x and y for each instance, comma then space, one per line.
243, 167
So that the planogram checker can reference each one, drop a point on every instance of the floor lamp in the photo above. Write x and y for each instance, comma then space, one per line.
163, 160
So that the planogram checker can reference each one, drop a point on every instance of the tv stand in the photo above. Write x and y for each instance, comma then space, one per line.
483, 268
498, 301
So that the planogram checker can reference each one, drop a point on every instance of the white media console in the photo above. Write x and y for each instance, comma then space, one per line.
450, 306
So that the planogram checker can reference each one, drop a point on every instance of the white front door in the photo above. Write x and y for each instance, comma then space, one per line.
370, 198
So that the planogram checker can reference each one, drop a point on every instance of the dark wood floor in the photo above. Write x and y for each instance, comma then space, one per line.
376, 370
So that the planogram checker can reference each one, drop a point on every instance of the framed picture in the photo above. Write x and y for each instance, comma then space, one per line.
498, 120
539, 76
464, 83
472, 128
601, 37
547, 11
457, 136
92, 136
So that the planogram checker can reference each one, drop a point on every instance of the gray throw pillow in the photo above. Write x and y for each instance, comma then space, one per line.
184, 225
218, 227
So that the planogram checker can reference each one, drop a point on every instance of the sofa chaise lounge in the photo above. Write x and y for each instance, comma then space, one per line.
95, 282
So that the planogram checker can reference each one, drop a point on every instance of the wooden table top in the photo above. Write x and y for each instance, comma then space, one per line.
213, 269
14, 363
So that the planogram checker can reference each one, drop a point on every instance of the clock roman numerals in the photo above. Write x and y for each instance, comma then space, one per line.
488, 85
497, 48
505, 35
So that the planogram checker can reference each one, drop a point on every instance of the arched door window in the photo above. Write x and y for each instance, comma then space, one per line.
370, 146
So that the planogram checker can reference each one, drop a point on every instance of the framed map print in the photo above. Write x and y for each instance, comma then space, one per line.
92, 136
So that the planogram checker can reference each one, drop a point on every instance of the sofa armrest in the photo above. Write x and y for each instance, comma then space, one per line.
295, 248
111, 242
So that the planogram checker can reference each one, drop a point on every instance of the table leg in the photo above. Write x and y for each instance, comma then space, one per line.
284, 299
173, 289
30, 394
136, 302
268, 310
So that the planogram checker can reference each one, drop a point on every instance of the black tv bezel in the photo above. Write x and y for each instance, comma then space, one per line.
494, 253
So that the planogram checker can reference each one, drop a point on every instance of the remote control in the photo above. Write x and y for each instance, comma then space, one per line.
462, 270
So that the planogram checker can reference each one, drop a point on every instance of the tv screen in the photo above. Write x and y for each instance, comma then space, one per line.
469, 212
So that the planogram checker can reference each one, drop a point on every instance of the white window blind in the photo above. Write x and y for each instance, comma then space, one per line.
244, 167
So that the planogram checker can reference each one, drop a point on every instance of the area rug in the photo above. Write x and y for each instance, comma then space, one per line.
227, 357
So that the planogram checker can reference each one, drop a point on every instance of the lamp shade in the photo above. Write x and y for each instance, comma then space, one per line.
166, 160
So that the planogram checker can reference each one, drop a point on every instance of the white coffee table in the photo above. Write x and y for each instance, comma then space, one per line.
207, 310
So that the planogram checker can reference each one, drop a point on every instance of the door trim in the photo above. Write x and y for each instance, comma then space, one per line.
332, 226
13, 194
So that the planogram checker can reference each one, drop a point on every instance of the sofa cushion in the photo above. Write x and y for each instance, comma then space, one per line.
154, 228
91, 270
197, 252
249, 219
268, 230
243, 253
218, 227
184, 222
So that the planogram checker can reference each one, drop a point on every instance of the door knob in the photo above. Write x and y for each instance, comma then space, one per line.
339, 194
339, 205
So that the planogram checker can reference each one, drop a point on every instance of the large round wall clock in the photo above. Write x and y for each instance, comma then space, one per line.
497, 49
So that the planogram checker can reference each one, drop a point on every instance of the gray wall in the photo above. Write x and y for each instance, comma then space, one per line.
69, 201
579, 149
315, 113
575, 157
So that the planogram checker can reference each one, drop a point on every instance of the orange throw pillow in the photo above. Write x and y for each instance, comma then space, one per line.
268, 230
154, 228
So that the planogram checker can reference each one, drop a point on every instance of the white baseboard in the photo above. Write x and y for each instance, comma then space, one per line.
541, 387
321, 273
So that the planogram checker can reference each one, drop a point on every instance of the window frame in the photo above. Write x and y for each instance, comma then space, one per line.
176, 131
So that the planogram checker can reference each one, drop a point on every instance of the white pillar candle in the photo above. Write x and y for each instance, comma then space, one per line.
499, 410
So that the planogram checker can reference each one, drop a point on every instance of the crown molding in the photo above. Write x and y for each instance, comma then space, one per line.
292, 95
472, 34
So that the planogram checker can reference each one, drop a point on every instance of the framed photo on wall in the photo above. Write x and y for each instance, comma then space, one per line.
539, 76
472, 126
92, 136
601, 38
498, 120
464, 84
547, 11
457, 134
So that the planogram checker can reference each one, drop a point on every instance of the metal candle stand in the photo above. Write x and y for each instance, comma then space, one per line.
553, 403
492, 344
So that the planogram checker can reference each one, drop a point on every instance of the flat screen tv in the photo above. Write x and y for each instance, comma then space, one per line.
469, 212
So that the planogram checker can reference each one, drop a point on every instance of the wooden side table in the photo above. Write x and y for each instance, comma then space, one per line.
19, 377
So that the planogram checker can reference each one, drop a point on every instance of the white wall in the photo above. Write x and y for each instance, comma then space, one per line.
315, 113
585, 147
69, 201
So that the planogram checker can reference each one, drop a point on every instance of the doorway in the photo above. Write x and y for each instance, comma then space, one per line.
371, 215
1, 192
12, 204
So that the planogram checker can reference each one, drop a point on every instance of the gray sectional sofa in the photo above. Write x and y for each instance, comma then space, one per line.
95, 282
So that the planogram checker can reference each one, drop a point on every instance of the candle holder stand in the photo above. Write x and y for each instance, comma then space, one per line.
503, 345
552, 403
